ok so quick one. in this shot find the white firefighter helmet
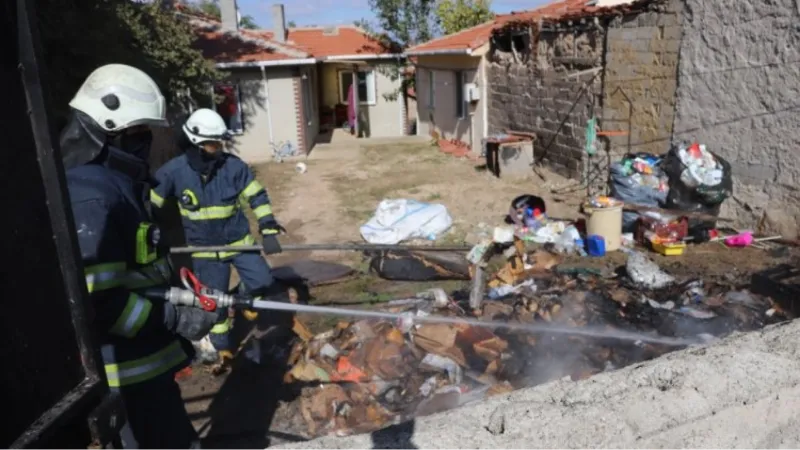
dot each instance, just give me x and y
(117, 97)
(205, 125)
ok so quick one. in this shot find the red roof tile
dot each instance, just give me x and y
(334, 41)
(300, 43)
(225, 48)
(472, 38)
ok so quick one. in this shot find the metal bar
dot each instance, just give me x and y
(322, 247)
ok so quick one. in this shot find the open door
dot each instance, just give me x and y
(52, 386)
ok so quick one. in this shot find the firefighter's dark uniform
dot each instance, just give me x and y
(140, 353)
(211, 207)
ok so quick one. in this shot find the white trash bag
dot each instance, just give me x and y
(402, 219)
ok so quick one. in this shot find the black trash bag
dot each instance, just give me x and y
(699, 198)
(624, 187)
(419, 265)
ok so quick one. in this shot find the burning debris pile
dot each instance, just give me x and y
(365, 375)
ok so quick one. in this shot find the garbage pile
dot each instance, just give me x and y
(688, 178)
(364, 375)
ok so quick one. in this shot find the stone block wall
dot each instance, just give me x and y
(640, 79)
(738, 91)
(547, 91)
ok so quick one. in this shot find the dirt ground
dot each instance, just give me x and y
(250, 407)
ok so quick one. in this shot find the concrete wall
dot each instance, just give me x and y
(253, 145)
(384, 118)
(738, 91)
(640, 79)
(442, 118)
(545, 89)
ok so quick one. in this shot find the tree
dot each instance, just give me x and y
(292, 24)
(248, 22)
(405, 22)
(400, 24)
(80, 35)
(211, 8)
(456, 15)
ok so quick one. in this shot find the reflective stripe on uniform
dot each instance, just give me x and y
(156, 199)
(210, 212)
(262, 211)
(143, 369)
(252, 189)
(155, 274)
(133, 316)
(247, 240)
(222, 327)
(104, 276)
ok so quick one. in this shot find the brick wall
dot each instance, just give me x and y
(549, 93)
(641, 78)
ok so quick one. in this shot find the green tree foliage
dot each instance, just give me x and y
(292, 24)
(405, 22)
(80, 35)
(456, 15)
(400, 24)
(211, 8)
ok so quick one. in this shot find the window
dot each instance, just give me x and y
(230, 108)
(366, 86)
(431, 83)
(460, 104)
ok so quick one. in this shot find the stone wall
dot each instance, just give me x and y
(641, 78)
(738, 91)
(545, 89)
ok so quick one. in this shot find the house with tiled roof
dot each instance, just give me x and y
(577, 77)
(452, 78)
(290, 86)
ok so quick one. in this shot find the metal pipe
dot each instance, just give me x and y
(321, 247)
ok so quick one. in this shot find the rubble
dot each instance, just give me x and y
(366, 375)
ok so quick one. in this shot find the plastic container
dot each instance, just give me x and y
(670, 248)
(605, 222)
(596, 245)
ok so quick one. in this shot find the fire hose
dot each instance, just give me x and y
(196, 294)
(322, 247)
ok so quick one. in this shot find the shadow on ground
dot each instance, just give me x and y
(242, 411)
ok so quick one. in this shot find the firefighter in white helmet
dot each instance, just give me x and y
(144, 342)
(211, 185)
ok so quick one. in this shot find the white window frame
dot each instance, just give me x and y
(431, 93)
(460, 83)
(371, 99)
(240, 113)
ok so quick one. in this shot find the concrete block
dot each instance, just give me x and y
(515, 159)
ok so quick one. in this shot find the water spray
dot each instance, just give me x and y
(198, 295)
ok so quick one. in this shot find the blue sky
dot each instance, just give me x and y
(331, 12)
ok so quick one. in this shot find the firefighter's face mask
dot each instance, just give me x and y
(212, 148)
(136, 141)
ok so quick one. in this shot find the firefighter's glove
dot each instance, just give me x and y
(270, 242)
(193, 323)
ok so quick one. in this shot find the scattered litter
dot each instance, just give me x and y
(301, 168)
(645, 272)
